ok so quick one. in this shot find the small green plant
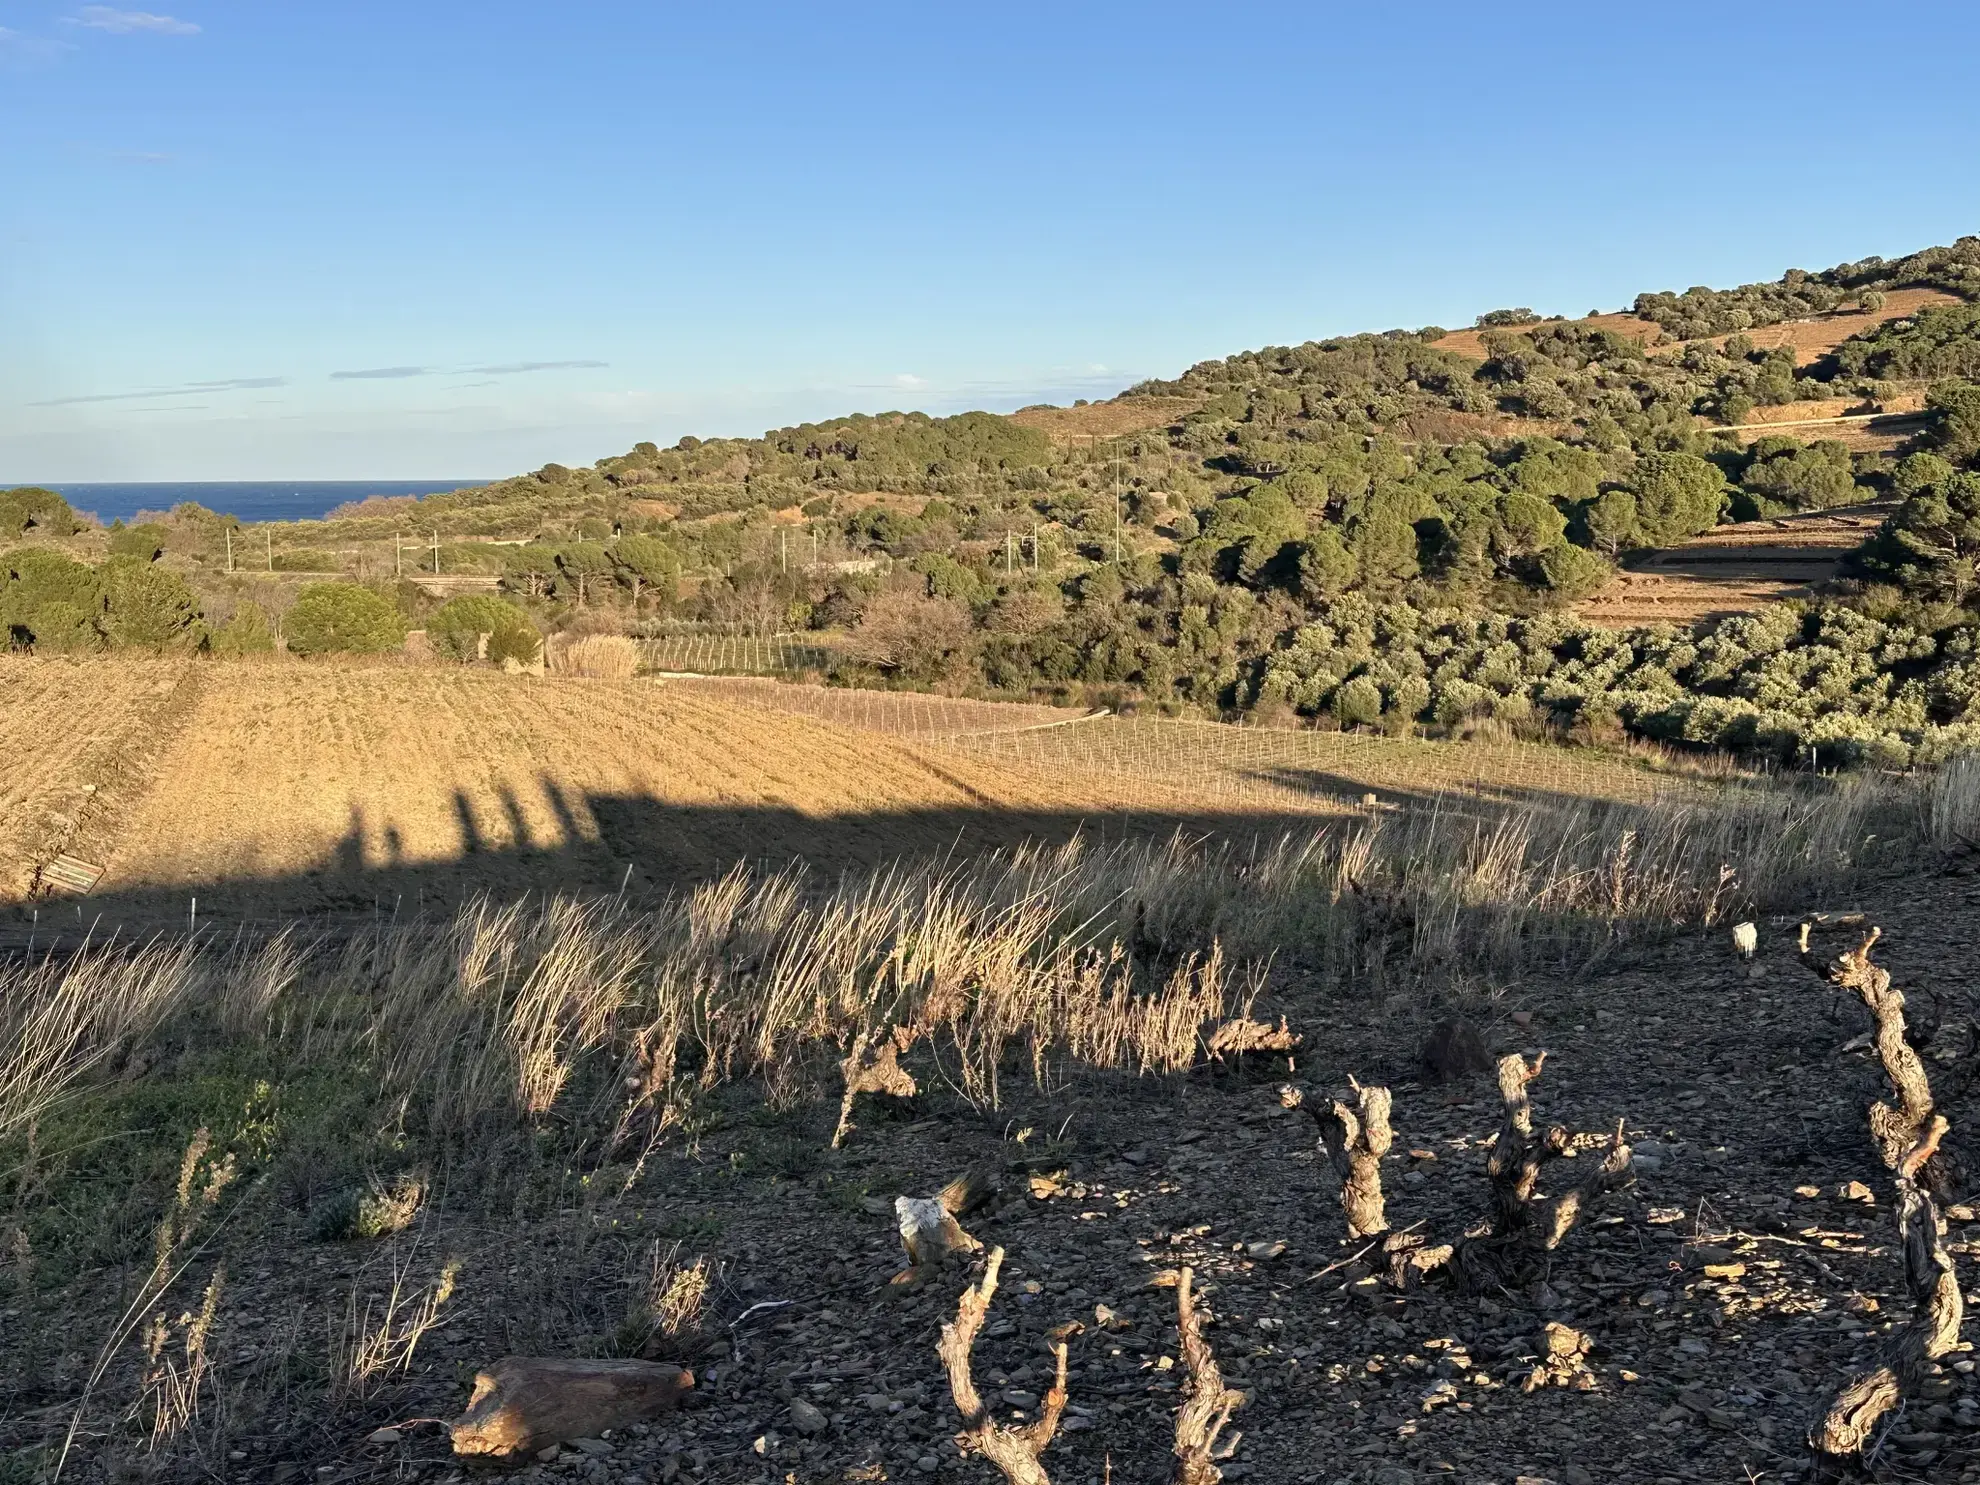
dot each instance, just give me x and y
(843, 1195)
(371, 1211)
(663, 1321)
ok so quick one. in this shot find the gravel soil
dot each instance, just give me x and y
(1751, 1265)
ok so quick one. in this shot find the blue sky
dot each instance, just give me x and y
(258, 239)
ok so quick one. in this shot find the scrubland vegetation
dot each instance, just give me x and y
(893, 1060)
(1194, 560)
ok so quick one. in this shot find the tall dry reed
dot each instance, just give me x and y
(1127, 956)
(61, 1018)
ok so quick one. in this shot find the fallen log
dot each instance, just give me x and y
(524, 1403)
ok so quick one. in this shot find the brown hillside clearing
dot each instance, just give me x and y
(1471, 342)
(1814, 338)
(1113, 419)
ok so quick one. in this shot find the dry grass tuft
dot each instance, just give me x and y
(61, 1019)
(379, 1337)
(599, 657)
(664, 1319)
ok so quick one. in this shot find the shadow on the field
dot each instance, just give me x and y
(644, 847)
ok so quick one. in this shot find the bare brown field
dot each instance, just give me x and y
(71, 735)
(290, 771)
(1289, 771)
(1066, 425)
(1159, 764)
(1905, 404)
(305, 787)
(907, 714)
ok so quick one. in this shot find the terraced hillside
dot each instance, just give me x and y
(1737, 568)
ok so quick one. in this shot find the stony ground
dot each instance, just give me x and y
(1752, 1264)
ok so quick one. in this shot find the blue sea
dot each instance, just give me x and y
(250, 500)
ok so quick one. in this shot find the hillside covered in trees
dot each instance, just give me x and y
(1380, 529)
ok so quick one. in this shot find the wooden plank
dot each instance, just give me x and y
(67, 874)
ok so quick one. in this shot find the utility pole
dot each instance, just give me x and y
(1034, 546)
(230, 548)
(398, 561)
(268, 547)
(436, 553)
(1117, 507)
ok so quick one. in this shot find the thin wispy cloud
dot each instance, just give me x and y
(517, 368)
(507, 368)
(232, 384)
(182, 407)
(132, 22)
(21, 49)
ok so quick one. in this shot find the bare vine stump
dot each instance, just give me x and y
(872, 1065)
(1908, 1136)
(1894, 1129)
(1206, 1409)
(1207, 1403)
(1524, 1228)
(1014, 1451)
(1849, 1420)
(1355, 1140)
(522, 1404)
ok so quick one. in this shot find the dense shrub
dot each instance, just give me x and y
(1777, 682)
(145, 541)
(148, 606)
(1931, 545)
(342, 617)
(458, 629)
(30, 507)
(246, 632)
(49, 603)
